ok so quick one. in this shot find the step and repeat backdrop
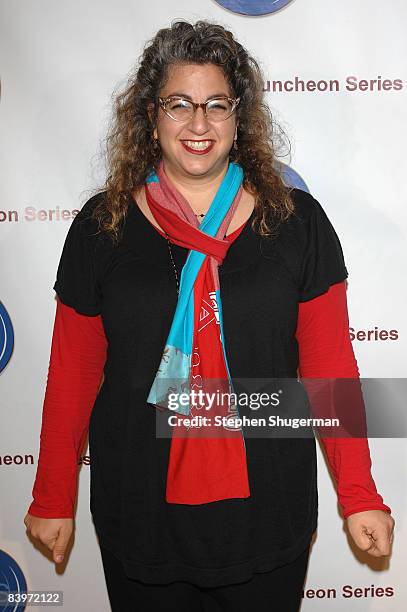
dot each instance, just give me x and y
(335, 80)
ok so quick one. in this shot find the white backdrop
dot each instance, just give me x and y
(60, 62)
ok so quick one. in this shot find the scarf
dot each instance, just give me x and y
(206, 463)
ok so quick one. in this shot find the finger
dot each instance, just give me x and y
(60, 546)
(383, 543)
(364, 541)
(374, 552)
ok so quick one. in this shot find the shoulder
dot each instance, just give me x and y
(85, 220)
(308, 219)
(86, 228)
(83, 261)
(305, 206)
(294, 231)
(85, 242)
(310, 247)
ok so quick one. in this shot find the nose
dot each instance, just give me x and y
(199, 123)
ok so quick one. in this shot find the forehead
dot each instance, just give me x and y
(195, 80)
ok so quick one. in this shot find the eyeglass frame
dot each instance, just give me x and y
(196, 105)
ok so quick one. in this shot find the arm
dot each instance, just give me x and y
(325, 351)
(78, 355)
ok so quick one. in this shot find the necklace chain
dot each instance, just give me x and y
(173, 262)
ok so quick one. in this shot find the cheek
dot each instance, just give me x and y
(166, 137)
(227, 134)
(168, 132)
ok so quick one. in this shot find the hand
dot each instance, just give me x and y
(372, 531)
(53, 532)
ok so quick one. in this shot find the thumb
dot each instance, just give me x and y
(60, 545)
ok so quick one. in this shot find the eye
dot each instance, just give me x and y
(173, 104)
(223, 104)
(219, 109)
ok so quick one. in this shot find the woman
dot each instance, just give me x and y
(258, 291)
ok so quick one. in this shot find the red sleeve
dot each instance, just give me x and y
(325, 351)
(78, 355)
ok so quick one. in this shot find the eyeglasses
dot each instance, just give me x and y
(181, 109)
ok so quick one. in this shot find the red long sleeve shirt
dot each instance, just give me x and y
(325, 351)
(78, 355)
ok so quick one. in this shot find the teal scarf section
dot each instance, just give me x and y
(173, 374)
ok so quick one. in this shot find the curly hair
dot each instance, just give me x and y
(130, 151)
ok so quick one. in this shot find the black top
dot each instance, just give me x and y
(133, 287)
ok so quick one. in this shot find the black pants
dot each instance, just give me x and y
(277, 591)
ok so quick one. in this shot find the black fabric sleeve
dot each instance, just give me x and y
(78, 275)
(322, 261)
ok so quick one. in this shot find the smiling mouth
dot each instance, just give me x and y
(198, 145)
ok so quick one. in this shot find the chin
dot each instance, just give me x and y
(197, 171)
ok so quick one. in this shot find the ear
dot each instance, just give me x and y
(150, 108)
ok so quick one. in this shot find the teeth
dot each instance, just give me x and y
(199, 146)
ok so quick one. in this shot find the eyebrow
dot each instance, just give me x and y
(184, 95)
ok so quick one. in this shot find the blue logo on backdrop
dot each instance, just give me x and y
(290, 177)
(253, 7)
(6, 337)
(12, 580)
